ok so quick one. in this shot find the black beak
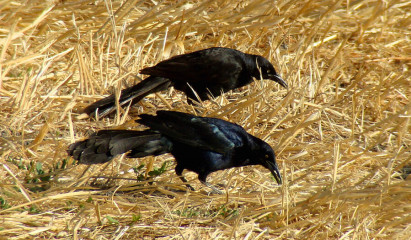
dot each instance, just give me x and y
(274, 170)
(278, 79)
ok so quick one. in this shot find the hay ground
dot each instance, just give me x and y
(341, 132)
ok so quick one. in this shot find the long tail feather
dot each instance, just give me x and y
(132, 94)
(104, 145)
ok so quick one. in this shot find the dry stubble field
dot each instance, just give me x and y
(341, 131)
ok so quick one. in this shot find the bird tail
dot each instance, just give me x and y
(102, 146)
(132, 94)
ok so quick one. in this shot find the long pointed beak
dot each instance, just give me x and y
(279, 80)
(275, 171)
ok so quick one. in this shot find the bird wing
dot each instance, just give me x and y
(203, 65)
(190, 130)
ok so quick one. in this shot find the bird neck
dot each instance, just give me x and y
(249, 61)
(253, 66)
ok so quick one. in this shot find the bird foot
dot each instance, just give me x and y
(190, 187)
(216, 191)
(213, 188)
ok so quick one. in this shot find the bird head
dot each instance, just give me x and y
(268, 71)
(265, 156)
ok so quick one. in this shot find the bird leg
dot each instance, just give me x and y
(187, 185)
(179, 172)
(203, 180)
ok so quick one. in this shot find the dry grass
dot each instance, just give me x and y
(341, 132)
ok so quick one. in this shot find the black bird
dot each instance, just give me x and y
(208, 72)
(199, 144)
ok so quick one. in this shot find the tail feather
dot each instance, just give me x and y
(104, 145)
(132, 94)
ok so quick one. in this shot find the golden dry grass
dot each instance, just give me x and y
(341, 132)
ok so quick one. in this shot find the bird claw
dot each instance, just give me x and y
(214, 190)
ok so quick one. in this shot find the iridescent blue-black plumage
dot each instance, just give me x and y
(199, 144)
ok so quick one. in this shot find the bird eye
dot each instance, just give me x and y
(266, 156)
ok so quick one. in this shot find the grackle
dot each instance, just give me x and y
(199, 144)
(200, 74)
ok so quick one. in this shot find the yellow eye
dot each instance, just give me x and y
(266, 156)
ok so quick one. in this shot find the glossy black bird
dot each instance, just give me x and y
(208, 72)
(199, 144)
